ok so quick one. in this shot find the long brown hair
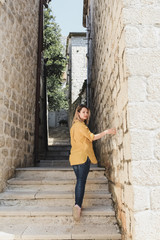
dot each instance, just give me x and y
(76, 115)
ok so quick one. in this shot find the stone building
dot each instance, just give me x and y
(20, 39)
(124, 69)
(76, 51)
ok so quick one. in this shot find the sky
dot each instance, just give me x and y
(68, 15)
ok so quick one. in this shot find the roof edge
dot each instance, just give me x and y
(74, 34)
(85, 8)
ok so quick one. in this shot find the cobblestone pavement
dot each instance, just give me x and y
(59, 136)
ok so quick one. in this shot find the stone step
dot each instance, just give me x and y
(52, 164)
(52, 142)
(59, 172)
(24, 194)
(39, 230)
(53, 181)
(55, 184)
(58, 214)
(54, 161)
(60, 220)
(57, 157)
(88, 202)
(58, 153)
(66, 187)
(52, 198)
(93, 167)
(34, 211)
(59, 147)
(55, 188)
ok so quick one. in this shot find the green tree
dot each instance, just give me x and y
(54, 62)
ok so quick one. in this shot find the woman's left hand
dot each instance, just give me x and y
(112, 131)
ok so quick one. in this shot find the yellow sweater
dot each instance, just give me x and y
(81, 144)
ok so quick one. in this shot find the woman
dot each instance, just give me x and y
(82, 153)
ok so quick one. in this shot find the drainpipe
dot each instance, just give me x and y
(37, 110)
(88, 62)
(88, 105)
(39, 57)
(45, 105)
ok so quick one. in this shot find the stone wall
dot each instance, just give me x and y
(110, 104)
(18, 59)
(124, 65)
(142, 39)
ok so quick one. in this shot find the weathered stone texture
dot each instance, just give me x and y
(110, 103)
(143, 63)
(149, 227)
(18, 59)
(124, 68)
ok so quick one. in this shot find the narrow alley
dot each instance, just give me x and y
(112, 66)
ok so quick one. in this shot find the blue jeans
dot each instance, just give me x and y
(81, 172)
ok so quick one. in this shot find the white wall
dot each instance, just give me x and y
(55, 117)
(77, 64)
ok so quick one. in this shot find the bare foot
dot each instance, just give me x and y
(76, 212)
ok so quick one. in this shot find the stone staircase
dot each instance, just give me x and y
(58, 152)
(37, 205)
(55, 156)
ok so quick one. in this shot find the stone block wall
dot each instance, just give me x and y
(125, 85)
(110, 105)
(18, 60)
(142, 39)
